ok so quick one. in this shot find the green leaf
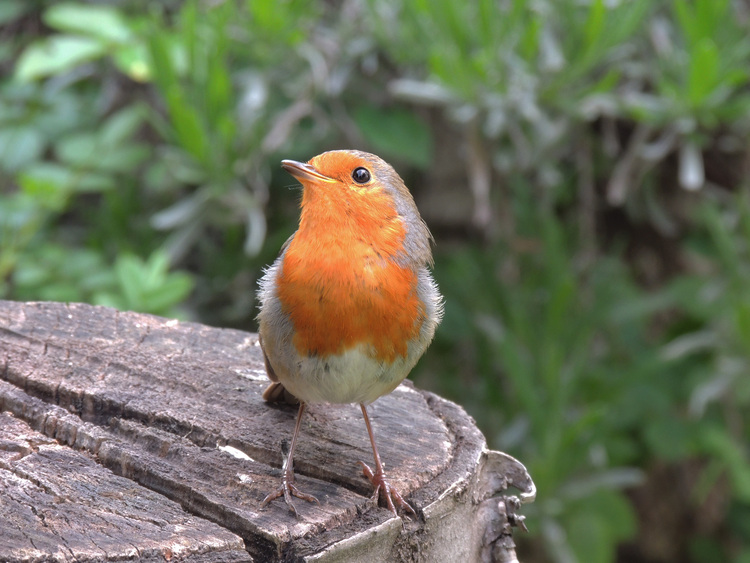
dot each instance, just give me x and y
(396, 133)
(528, 44)
(155, 269)
(685, 17)
(725, 247)
(109, 299)
(107, 150)
(719, 444)
(19, 212)
(133, 61)
(170, 293)
(48, 183)
(220, 96)
(57, 54)
(149, 286)
(129, 271)
(103, 22)
(597, 525)
(594, 24)
(608, 82)
(93, 182)
(164, 68)
(78, 149)
(589, 537)
(19, 146)
(187, 124)
(124, 159)
(703, 74)
(669, 438)
(279, 19)
(122, 125)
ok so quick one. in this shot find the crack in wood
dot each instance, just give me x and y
(152, 399)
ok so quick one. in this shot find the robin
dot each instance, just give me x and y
(349, 306)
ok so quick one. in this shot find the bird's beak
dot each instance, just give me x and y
(303, 172)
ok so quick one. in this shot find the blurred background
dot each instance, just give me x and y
(583, 166)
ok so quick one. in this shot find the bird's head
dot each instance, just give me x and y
(357, 192)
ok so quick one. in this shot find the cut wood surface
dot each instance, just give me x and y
(129, 435)
(59, 504)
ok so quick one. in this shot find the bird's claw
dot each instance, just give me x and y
(287, 490)
(390, 493)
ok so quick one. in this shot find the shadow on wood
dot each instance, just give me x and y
(129, 435)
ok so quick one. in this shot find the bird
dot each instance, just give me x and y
(350, 304)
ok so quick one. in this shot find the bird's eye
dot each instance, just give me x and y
(361, 175)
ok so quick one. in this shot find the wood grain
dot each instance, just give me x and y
(59, 504)
(143, 408)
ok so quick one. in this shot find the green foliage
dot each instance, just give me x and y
(396, 133)
(719, 306)
(706, 80)
(603, 520)
(146, 286)
(551, 340)
(89, 33)
(54, 273)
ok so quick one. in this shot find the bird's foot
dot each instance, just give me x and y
(384, 488)
(287, 490)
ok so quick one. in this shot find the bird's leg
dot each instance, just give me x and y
(378, 477)
(288, 488)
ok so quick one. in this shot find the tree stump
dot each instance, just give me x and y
(129, 436)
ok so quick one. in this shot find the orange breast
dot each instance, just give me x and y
(339, 286)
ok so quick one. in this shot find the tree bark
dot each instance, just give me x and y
(129, 435)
